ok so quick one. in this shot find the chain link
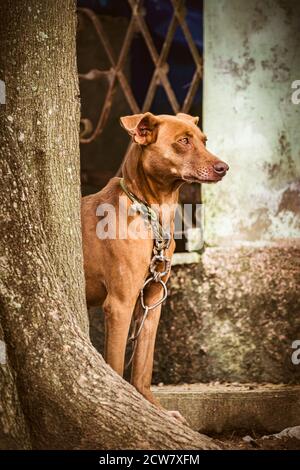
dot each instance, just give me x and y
(160, 265)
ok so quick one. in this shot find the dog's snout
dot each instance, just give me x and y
(220, 168)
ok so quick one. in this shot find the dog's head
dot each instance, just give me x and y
(175, 147)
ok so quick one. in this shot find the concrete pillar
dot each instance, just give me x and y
(252, 57)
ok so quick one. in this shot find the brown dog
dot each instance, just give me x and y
(166, 152)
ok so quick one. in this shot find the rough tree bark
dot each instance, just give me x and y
(56, 391)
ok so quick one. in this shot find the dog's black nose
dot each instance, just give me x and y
(220, 168)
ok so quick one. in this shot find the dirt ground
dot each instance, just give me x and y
(257, 442)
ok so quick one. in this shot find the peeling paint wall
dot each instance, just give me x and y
(252, 56)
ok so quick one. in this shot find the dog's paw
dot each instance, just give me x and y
(177, 415)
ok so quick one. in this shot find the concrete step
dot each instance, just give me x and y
(222, 408)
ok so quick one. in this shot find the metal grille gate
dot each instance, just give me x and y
(115, 73)
(114, 76)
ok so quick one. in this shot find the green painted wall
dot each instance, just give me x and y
(252, 56)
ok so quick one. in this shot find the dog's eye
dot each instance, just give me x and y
(184, 140)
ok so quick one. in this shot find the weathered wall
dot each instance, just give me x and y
(252, 56)
(232, 318)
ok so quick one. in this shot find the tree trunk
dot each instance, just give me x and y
(14, 433)
(64, 395)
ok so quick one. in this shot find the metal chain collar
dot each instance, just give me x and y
(159, 266)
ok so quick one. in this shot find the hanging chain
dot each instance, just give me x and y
(159, 265)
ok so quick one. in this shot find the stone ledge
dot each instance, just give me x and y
(186, 258)
(223, 408)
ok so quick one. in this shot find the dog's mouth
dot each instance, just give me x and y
(198, 179)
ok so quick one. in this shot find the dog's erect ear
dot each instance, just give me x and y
(142, 127)
(187, 117)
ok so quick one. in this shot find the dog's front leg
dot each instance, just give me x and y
(117, 322)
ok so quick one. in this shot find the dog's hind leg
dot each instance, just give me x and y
(142, 364)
